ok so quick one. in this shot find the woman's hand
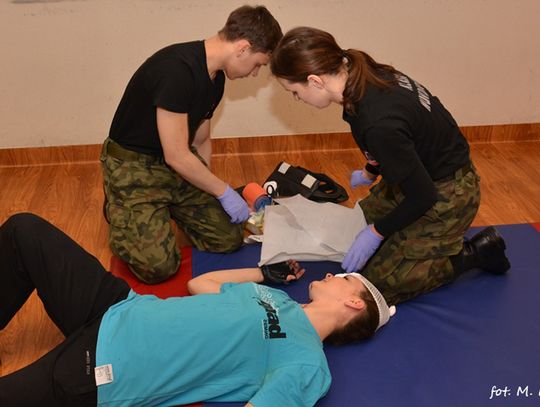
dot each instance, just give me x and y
(282, 273)
(363, 247)
(362, 177)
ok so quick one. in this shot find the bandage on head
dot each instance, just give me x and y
(385, 312)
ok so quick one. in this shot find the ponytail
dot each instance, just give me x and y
(363, 69)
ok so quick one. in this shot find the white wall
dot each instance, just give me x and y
(64, 64)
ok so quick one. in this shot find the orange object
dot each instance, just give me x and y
(252, 192)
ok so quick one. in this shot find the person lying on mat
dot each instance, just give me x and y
(235, 341)
(429, 190)
(156, 160)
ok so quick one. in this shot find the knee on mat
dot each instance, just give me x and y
(226, 243)
(156, 272)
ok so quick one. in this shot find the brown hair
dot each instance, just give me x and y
(305, 51)
(360, 327)
(254, 24)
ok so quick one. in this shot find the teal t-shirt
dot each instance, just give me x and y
(248, 343)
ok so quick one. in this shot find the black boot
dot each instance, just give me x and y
(485, 250)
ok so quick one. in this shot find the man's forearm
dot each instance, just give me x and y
(174, 136)
(189, 167)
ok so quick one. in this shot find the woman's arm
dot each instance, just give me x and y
(420, 195)
(209, 283)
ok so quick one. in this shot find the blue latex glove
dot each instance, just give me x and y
(361, 250)
(358, 177)
(234, 205)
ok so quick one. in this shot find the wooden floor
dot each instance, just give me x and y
(70, 196)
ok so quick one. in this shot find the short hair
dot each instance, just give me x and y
(254, 24)
(362, 326)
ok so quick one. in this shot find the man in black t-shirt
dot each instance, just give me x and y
(156, 160)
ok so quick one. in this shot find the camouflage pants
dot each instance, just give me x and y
(143, 194)
(415, 260)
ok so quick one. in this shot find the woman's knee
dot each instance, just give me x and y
(25, 220)
(23, 225)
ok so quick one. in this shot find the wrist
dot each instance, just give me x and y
(258, 276)
(222, 190)
(368, 175)
(375, 232)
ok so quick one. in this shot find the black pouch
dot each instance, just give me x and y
(289, 180)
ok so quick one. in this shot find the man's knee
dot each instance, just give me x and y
(147, 246)
(151, 265)
(233, 241)
(220, 241)
(154, 270)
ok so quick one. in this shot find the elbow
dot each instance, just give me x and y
(177, 158)
(192, 286)
(171, 160)
(178, 164)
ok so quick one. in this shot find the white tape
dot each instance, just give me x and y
(284, 167)
(309, 180)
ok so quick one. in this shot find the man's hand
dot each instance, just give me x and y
(363, 247)
(234, 205)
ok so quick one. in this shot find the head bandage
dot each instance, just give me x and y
(385, 312)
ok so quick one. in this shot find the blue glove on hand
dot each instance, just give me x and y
(361, 250)
(234, 205)
(358, 177)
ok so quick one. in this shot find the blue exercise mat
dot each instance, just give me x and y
(475, 342)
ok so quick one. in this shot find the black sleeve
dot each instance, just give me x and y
(420, 195)
(390, 145)
(171, 89)
(372, 169)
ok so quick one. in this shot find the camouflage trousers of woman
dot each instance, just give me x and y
(415, 260)
(143, 195)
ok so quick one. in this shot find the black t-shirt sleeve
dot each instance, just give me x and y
(172, 91)
(390, 145)
(420, 195)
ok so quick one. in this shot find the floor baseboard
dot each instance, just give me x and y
(14, 157)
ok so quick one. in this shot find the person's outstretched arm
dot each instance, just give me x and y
(211, 282)
(275, 273)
